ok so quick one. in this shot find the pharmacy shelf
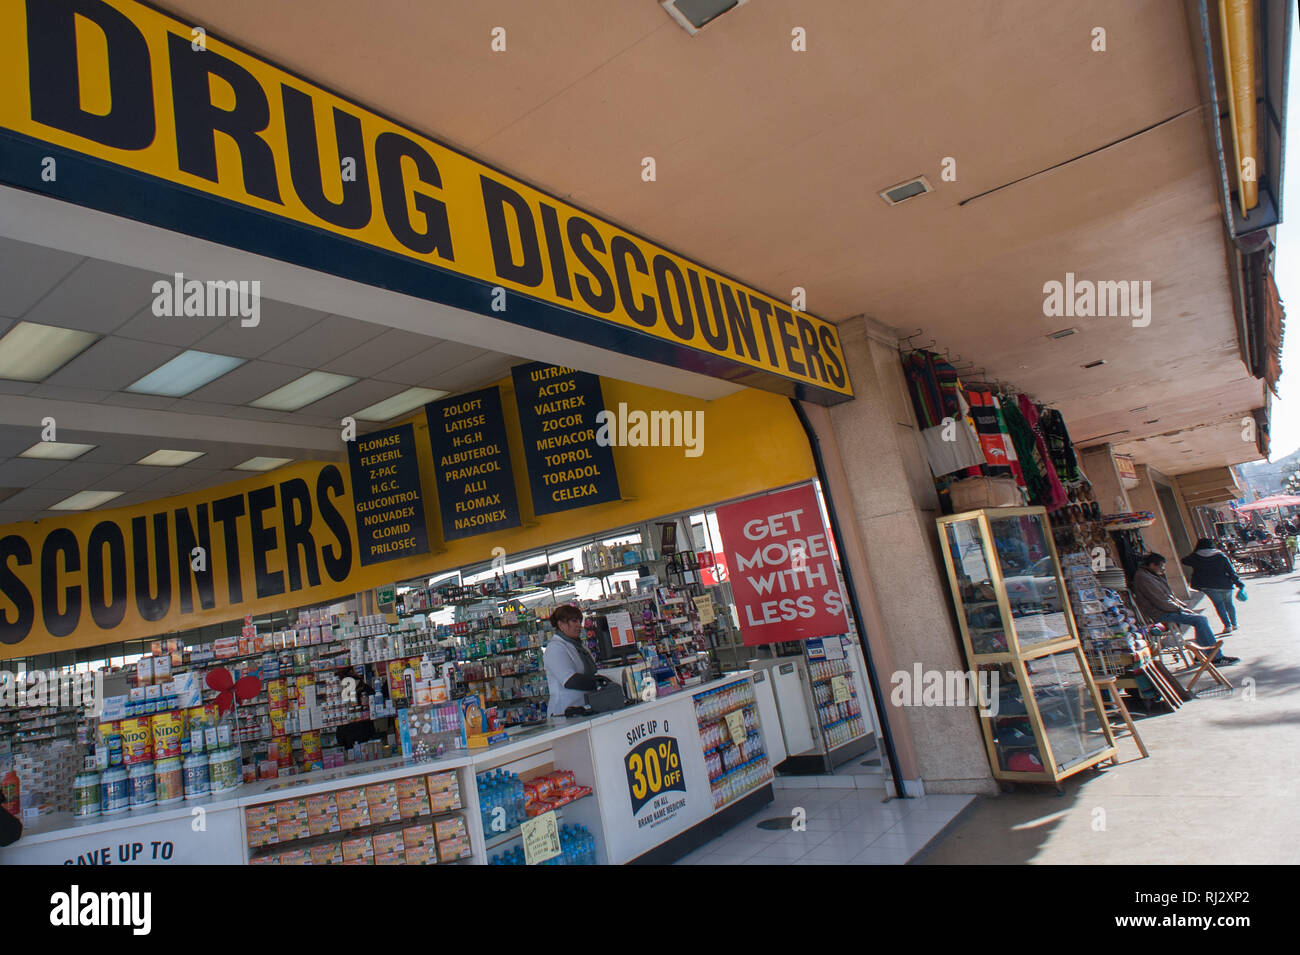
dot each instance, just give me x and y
(513, 834)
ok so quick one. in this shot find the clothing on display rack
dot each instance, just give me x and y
(1059, 446)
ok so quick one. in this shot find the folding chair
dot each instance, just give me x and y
(1207, 655)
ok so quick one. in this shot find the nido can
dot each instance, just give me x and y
(167, 731)
(170, 780)
(137, 741)
(114, 791)
(223, 770)
(85, 795)
(196, 776)
(143, 791)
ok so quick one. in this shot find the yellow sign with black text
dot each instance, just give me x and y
(286, 539)
(140, 92)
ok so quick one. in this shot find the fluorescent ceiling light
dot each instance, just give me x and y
(170, 459)
(56, 450)
(301, 392)
(400, 404)
(85, 500)
(186, 372)
(906, 190)
(262, 464)
(32, 352)
(693, 14)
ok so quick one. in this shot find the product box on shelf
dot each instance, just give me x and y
(358, 851)
(389, 848)
(412, 798)
(322, 814)
(453, 839)
(262, 825)
(295, 857)
(353, 812)
(381, 800)
(444, 792)
(291, 819)
(329, 854)
(420, 844)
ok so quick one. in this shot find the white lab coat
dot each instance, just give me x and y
(562, 660)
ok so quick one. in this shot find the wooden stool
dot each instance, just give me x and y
(1207, 655)
(1106, 684)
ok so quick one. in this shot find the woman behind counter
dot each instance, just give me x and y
(570, 667)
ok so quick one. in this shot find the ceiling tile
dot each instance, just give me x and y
(277, 323)
(28, 272)
(420, 368)
(367, 360)
(79, 475)
(332, 338)
(112, 364)
(128, 478)
(246, 383)
(129, 399)
(474, 374)
(177, 481)
(37, 498)
(144, 326)
(25, 472)
(258, 414)
(97, 296)
(58, 393)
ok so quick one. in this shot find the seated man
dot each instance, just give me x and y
(1159, 605)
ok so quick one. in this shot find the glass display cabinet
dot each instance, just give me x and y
(1042, 720)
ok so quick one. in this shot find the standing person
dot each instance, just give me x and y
(570, 667)
(1214, 576)
(1157, 602)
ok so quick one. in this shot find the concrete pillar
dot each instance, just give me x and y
(1157, 537)
(884, 489)
(1098, 464)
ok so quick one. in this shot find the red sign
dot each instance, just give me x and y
(782, 574)
(713, 567)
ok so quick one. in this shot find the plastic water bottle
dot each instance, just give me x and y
(521, 801)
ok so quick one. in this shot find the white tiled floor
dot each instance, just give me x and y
(844, 827)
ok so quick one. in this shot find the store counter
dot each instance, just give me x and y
(665, 771)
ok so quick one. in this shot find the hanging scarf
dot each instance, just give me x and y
(1059, 445)
(1054, 496)
(984, 412)
(1008, 445)
(923, 389)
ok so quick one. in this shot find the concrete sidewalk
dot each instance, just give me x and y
(1220, 786)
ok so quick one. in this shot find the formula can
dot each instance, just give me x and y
(311, 751)
(114, 791)
(143, 790)
(197, 783)
(169, 780)
(85, 795)
(137, 741)
(224, 770)
(167, 731)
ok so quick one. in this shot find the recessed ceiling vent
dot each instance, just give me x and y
(691, 15)
(906, 190)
